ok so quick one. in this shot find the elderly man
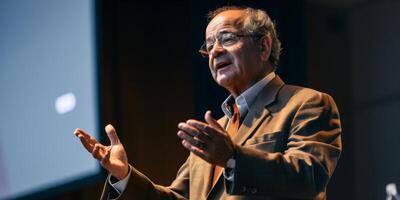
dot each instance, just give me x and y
(276, 141)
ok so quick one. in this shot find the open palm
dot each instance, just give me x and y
(113, 157)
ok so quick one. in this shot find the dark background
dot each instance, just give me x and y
(152, 78)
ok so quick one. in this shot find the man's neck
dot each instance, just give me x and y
(246, 99)
(237, 90)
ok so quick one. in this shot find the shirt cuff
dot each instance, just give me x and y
(119, 185)
(229, 170)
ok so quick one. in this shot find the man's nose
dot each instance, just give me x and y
(217, 49)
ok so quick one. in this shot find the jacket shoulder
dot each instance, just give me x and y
(292, 96)
(302, 93)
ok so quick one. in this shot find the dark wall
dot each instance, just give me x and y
(329, 55)
(146, 54)
(353, 53)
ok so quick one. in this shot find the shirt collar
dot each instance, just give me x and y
(246, 99)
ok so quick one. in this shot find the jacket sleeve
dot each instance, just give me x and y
(303, 169)
(141, 187)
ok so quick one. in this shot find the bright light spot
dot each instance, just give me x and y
(65, 103)
(391, 189)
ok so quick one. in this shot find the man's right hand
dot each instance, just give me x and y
(113, 157)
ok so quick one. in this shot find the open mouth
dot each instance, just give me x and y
(222, 65)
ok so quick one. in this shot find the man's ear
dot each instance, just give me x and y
(265, 47)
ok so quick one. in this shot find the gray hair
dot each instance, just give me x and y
(255, 22)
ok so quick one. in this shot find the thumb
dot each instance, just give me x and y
(212, 122)
(112, 134)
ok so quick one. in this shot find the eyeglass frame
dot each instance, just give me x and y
(203, 48)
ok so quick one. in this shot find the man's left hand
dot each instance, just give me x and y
(207, 140)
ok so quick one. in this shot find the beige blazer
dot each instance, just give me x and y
(289, 144)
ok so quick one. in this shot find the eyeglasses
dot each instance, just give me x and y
(225, 39)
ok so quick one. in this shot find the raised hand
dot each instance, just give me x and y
(207, 140)
(113, 157)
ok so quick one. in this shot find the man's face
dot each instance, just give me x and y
(235, 67)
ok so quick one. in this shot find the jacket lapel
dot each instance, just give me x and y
(255, 116)
(258, 111)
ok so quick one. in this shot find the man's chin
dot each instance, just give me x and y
(224, 81)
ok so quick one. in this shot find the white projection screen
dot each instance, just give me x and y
(48, 87)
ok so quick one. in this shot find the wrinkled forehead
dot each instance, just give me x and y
(226, 20)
